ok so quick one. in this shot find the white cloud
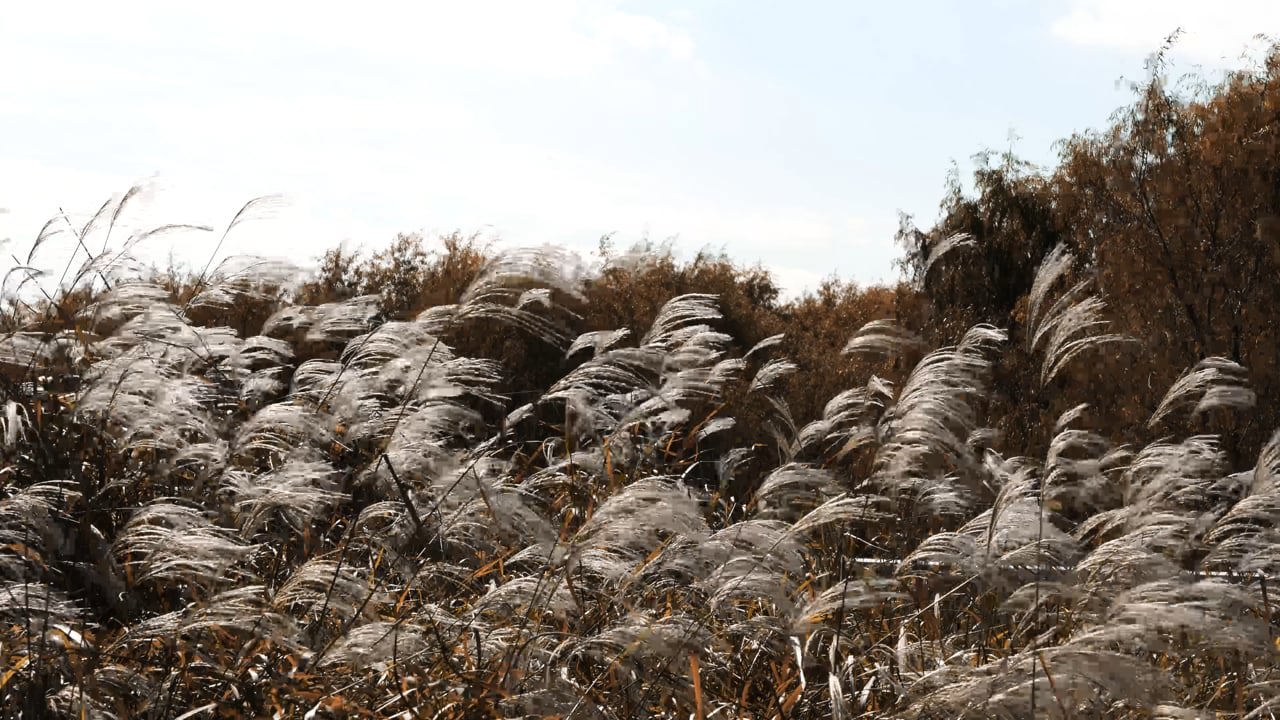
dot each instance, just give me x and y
(793, 282)
(229, 101)
(549, 38)
(1214, 33)
(644, 33)
(218, 104)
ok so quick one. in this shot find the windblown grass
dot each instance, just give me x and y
(344, 515)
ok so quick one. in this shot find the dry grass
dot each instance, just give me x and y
(338, 509)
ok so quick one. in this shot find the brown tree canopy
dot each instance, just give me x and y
(1172, 211)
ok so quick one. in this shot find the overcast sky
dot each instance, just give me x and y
(786, 133)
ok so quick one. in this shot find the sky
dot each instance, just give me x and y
(789, 134)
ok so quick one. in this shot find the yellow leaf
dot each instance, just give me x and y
(21, 663)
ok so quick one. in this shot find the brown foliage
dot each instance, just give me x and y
(1171, 211)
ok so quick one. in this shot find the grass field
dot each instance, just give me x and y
(327, 513)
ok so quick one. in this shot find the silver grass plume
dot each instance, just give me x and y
(925, 432)
(882, 337)
(1068, 327)
(239, 279)
(167, 543)
(1214, 383)
(516, 288)
(942, 247)
(296, 494)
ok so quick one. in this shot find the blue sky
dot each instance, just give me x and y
(785, 133)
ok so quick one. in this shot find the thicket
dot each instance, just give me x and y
(449, 481)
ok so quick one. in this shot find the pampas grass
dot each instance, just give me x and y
(335, 514)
